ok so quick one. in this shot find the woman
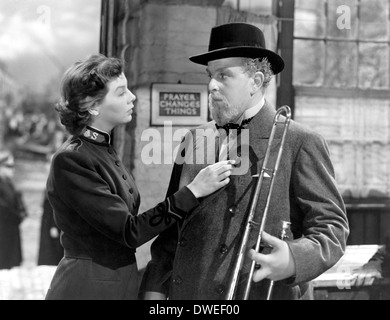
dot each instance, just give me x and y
(95, 200)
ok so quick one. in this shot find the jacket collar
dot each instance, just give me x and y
(97, 136)
(261, 125)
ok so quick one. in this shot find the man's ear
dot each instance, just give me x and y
(258, 80)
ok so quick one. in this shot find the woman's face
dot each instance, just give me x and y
(117, 106)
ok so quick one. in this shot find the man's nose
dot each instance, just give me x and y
(213, 85)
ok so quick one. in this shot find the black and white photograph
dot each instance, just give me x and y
(171, 151)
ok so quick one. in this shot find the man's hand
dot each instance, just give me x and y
(277, 265)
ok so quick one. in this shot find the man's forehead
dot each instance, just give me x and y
(224, 63)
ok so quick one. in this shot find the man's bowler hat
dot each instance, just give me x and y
(238, 40)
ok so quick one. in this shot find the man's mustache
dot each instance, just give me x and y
(216, 97)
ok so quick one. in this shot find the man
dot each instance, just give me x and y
(195, 260)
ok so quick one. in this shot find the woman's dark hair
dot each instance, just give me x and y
(83, 85)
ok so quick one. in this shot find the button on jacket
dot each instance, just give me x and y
(95, 203)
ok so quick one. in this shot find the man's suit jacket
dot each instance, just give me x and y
(195, 261)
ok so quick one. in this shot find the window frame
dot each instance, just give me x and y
(381, 93)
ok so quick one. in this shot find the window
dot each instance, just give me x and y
(342, 43)
(341, 78)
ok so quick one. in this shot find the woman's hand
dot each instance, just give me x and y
(211, 178)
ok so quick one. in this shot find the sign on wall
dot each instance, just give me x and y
(182, 104)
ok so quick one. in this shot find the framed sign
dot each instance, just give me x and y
(181, 104)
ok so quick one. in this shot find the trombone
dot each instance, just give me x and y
(266, 173)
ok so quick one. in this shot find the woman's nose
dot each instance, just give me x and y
(132, 97)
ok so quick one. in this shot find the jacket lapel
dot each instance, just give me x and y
(201, 150)
(259, 131)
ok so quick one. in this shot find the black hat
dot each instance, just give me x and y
(238, 40)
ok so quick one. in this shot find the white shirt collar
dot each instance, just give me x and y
(251, 112)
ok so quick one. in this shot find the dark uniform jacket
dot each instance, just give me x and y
(95, 203)
(196, 261)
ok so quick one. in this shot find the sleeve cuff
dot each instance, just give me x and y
(181, 203)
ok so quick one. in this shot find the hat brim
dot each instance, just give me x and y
(276, 61)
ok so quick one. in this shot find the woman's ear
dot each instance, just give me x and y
(93, 112)
(92, 106)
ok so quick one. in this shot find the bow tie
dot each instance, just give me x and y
(234, 126)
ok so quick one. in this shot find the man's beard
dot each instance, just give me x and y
(221, 110)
